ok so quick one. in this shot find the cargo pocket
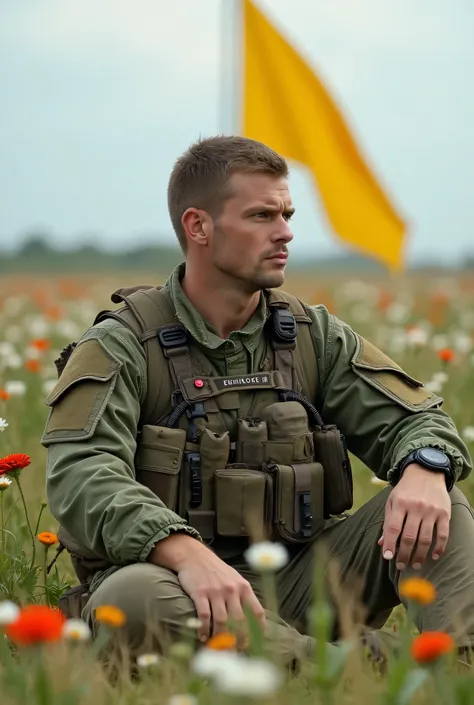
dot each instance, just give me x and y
(158, 461)
(330, 450)
(298, 496)
(243, 502)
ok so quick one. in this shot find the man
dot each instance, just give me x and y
(154, 512)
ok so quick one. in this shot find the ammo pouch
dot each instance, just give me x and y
(330, 450)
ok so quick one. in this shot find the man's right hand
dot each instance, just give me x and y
(218, 591)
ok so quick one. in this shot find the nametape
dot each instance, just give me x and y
(244, 381)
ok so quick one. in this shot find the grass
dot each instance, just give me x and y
(389, 312)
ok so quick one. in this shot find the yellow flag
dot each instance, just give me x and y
(286, 106)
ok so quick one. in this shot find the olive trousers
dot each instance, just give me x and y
(157, 608)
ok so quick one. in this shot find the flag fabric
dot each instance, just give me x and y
(286, 106)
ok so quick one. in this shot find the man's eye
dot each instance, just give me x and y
(262, 214)
(287, 216)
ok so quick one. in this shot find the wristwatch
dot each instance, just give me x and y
(431, 459)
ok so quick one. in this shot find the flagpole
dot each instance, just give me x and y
(230, 66)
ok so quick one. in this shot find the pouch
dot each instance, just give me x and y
(330, 450)
(243, 502)
(251, 441)
(158, 461)
(290, 440)
(298, 501)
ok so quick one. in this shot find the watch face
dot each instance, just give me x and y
(434, 456)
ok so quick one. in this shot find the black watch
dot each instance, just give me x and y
(431, 459)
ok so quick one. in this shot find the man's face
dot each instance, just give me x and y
(250, 237)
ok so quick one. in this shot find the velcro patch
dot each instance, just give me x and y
(81, 394)
(382, 373)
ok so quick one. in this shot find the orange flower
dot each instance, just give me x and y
(4, 395)
(47, 538)
(14, 462)
(429, 646)
(40, 344)
(36, 624)
(446, 355)
(32, 366)
(110, 615)
(418, 590)
(222, 642)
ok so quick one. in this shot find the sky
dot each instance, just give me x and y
(99, 97)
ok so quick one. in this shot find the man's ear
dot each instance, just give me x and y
(197, 225)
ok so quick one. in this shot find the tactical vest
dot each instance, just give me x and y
(278, 472)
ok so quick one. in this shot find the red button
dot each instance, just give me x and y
(198, 383)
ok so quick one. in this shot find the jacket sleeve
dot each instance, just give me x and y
(91, 437)
(383, 412)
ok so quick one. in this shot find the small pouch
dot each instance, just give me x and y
(290, 440)
(158, 461)
(243, 502)
(214, 449)
(251, 440)
(298, 496)
(330, 450)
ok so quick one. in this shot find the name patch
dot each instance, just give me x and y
(244, 381)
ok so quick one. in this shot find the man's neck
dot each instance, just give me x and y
(224, 307)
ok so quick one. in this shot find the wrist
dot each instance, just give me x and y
(172, 551)
(431, 460)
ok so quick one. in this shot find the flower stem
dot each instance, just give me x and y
(40, 514)
(2, 528)
(45, 573)
(33, 555)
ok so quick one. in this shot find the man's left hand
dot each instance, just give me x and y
(418, 504)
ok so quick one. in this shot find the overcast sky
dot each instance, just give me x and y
(100, 96)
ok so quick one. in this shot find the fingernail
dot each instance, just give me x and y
(388, 555)
(435, 556)
(400, 566)
(416, 566)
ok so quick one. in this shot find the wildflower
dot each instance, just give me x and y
(440, 377)
(36, 624)
(48, 386)
(266, 556)
(251, 677)
(41, 344)
(430, 646)
(47, 538)
(193, 623)
(4, 395)
(5, 482)
(14, 462)
(76, 630)
(417, 337)
(434, 386)
(468, 434)
(446, 355)
(32, 365)
(110, 615)
(3, 424)
(183, 700)
(15, 387)
(207, 663)
(148, 660)
(224, 641)
(9, 612)
(418, 590)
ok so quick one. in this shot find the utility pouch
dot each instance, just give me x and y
(330, 450)
(290, 440)
(243, 502)
(251, 441)
(158, 461)
(298, 501)
(214, 449)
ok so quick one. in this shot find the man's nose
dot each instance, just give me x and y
(284, 232)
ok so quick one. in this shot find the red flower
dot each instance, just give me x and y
(40, 344)
(446, 355)
(32, 365)
(429, 646)
(15, 461)
(4, 395)
(36, 624)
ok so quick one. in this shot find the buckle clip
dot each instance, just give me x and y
(306, 518)
(172, 336)
(194, 463)
(285, 328)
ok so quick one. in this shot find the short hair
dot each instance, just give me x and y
(199, 178)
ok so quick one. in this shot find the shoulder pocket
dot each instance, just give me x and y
(80, 396)
(382, 373)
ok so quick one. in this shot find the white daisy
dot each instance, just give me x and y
(266, 556)
(9, 612)
(148, 660)
(3, 424)
(5, 483)
(468, 434)
(76, 630)
(15, 387)
(251, 677)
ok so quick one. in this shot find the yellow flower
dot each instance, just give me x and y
(110, 615)
(418, 590)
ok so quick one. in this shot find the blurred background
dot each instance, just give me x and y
(100, 97)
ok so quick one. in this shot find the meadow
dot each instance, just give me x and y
(424, 321)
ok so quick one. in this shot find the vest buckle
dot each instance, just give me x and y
(172, 336)
(194, 464)
(285, 328)
(306, 518)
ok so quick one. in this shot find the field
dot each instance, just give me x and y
(425, 322)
